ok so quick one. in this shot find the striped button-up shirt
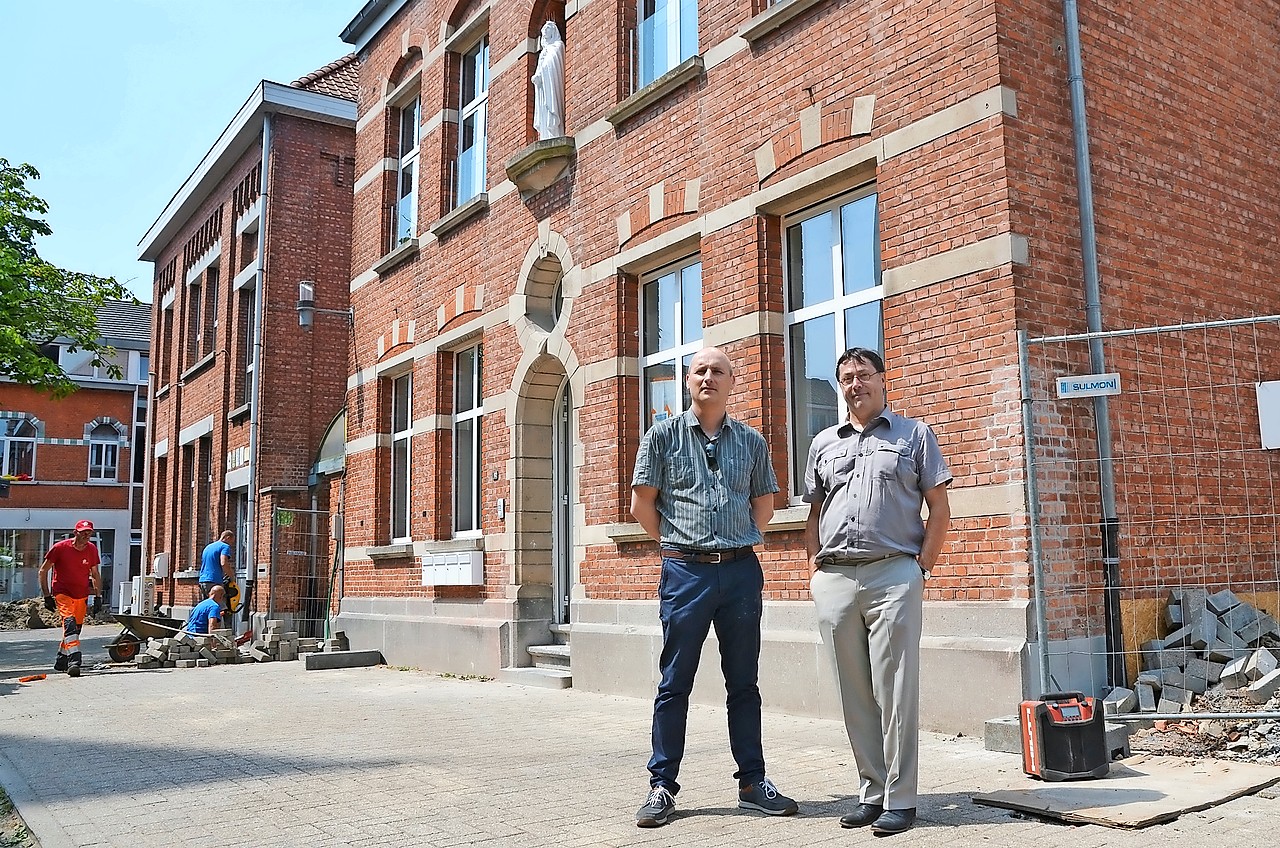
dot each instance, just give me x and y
(702, 509)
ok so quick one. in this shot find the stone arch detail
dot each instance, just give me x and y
(121, 430)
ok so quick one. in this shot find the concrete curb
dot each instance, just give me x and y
(46, 830)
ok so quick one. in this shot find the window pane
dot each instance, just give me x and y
(78, 363)
(400, 488)
(654, 41)
(400, 402)
(811, 275)
(660, 314)
(814, 400)
(407, 205)
(860, 244)
(661, 387)
(104, 431)
(863, 327)
(409, 121)
(471, 157)
(465, 449)
(688, 29)
(691, 303)
(464, 381)
(685, 400)
(22, 458)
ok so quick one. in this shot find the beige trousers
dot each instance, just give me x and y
(869, 617)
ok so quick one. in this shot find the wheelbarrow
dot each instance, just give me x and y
(138, 628)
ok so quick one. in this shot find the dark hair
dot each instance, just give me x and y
(861, 354)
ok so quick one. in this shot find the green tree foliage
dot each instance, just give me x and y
(40, 302)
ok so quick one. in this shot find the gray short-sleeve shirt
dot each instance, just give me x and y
(703, 509)
(871, 485)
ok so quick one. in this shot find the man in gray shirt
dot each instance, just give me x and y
(870, 552)
(703, 487)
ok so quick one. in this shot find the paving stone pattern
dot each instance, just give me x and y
(273, 755)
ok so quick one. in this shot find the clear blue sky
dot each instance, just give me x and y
(116, 101)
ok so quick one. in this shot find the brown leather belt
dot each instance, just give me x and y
(714, 557)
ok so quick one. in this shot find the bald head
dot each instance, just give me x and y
(709, 381)
(218, 593)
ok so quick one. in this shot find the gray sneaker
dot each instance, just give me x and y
(765, 797)
(656, 808)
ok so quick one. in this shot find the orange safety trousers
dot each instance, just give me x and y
(72, 611)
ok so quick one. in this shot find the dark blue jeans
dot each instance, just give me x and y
(692, 597)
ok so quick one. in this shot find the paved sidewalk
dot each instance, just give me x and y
(272, 755)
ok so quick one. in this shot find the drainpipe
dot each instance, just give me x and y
(259, 320)
(1109, 526)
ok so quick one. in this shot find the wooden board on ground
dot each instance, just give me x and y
(1139, 791)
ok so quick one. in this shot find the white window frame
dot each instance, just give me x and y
(837, 307)
(407, 159)
(475, 449)
(401, 438)
(679, 21)
(684, 344)
(251, 307)
(100, 448)
(475, 109)
(7, 442)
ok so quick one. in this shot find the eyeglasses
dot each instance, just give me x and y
(710, 450)
(863, 377)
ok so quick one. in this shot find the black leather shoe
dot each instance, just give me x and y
(862, 815)
(894, 821)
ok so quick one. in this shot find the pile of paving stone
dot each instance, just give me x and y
(189, 650)
(1216, 642)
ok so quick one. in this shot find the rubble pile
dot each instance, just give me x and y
(1221, 655)
(30, 614)
(188, 650)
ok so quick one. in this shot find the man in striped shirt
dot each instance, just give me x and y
(703, 487)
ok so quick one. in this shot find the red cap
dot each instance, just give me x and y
(84, 524)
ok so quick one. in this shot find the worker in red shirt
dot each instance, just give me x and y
(74, 566)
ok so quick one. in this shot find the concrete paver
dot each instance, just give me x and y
(274, 755)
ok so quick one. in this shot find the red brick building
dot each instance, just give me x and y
(783, 180)
(77, 457)
(242, 395)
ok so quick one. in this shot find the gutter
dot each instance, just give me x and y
(259, 302)
(1109, 524)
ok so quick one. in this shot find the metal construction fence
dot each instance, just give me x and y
(301, 574)
(1154, 506)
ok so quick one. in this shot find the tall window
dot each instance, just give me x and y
(833, 303)
(667, 35)
(104, 453)
(210, 331)
(405, 225)
(195, 321)
(17, 447)
(471, 121)
(401, 442)
(248, 309)
(672, 334)
(165, 344)
(468, 411)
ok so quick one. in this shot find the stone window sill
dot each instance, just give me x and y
(460, 215)
(384, 553)
(784, 520)
(774, 18)
(199, 365)
(689, 69)
(238, 413)
(406, 249)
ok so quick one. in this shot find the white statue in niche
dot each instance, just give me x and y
(548, 85)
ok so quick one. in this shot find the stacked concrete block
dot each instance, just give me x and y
(275, 644)
(187, 650)
(1214, 639)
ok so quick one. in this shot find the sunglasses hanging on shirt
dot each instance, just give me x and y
(710, 449)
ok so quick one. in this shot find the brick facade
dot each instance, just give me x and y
(221, 234)
(955, 115)
(84, 464)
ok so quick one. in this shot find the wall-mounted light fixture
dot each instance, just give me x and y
(307, 306)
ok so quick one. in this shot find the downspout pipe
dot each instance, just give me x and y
(1109, 524)
(259, 320)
